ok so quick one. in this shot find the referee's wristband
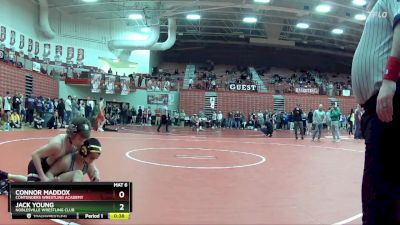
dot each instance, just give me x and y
(392, 69)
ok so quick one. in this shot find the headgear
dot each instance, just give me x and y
(91, 145)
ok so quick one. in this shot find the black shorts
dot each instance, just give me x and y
(33, 175)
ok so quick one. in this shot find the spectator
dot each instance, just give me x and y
(15, 119)
(38, 122)
(298, 123)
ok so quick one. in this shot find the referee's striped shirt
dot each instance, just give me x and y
(370, 58)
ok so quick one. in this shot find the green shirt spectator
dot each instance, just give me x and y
(335, 114)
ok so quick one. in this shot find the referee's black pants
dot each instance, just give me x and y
(164, 120)
(381, 179)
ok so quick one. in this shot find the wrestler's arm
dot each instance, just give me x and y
(59, 167)
(50, 149)
(93, 173)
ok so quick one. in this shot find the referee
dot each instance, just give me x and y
(375, 71)
(164, 119)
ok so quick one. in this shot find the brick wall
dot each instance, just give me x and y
(192, 101)
(244, 102)
(13, 79)
(347, 103)
(312, 102)
(307, 102)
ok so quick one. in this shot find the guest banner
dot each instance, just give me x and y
(157, 99)
(109, 83)
(125, 85)
(21, 41)
(95, 82)
(242, 87)
(12, 38)
(3, 33)
(30, 45)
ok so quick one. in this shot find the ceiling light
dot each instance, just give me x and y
(262, 1)
(193, 16)
(323, 8)
(89, 0)
(250, 20)
(302, 25)
(132, 65)
(360, 17)
(359, 2)
(116, 60)
(135, 16)
(145, 29)
(337, 31)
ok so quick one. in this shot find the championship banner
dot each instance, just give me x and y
(125, 81)
(46, 51)
(21, 41)
(70, 52)
(109, 83)
(81, 54)
(3, 33)
(12, 38)
(59, 50)
(36, 47)
(314, 91)
(30, 45)
(157, 99)
(95, 81)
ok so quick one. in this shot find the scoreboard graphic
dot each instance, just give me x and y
(83, 200)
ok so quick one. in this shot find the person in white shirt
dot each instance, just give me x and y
(7, 106)
(318, 121)
(190, 83)
(68, 110)
(219, 119)
(213, 119)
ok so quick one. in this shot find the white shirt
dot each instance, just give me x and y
(7, 103)
(373, 50)
(91, 103)
(68, 105)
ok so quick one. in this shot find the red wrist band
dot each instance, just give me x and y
(392, 69)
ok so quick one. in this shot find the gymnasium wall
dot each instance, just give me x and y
(193, 101)
(137, 97)
(12, 79)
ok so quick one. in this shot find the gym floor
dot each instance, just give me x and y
(216, 176)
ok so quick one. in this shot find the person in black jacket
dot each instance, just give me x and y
(164, 119)
(60, 111)
(298, 123)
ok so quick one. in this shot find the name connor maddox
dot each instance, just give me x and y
(42, 192)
